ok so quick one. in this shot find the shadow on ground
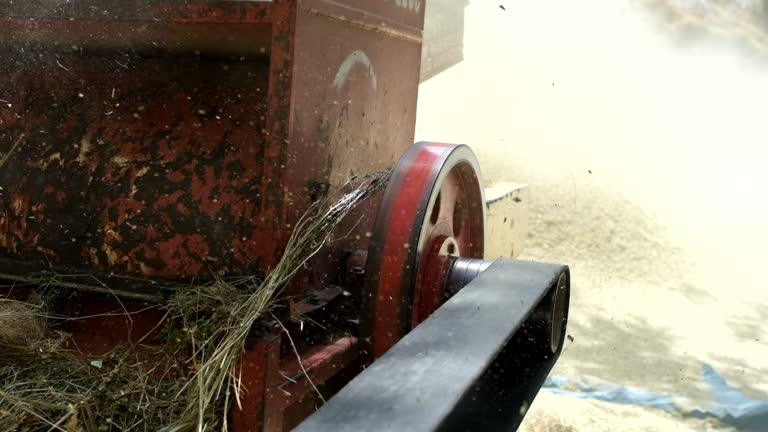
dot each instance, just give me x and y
(751, 327)
(630, 352)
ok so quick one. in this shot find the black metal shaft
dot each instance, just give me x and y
(463, 271)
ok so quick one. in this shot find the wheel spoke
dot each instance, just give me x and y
(449, 192)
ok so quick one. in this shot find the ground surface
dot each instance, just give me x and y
(645, 152)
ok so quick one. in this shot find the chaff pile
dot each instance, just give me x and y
(46, 387)
(182, 387)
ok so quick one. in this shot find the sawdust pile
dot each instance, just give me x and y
(638, 131)
(738, 21)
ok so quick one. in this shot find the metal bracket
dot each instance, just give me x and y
(476, 364)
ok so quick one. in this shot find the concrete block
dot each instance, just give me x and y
(507, 224)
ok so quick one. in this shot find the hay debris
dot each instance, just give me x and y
(21, 322)
(45, 386)
(187, 385)
(219, 353)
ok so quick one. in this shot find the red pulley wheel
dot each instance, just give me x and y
(433, 209)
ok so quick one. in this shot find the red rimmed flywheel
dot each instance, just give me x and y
(433, 209)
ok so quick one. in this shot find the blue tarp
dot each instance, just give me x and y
(728, 405)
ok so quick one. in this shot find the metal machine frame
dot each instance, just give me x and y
(150, 144)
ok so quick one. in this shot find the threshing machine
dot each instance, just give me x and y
(148, 144)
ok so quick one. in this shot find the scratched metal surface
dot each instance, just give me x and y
(164, 164)
(133, 165)
(356, 79)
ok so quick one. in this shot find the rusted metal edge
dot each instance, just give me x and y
(206, 38)
(112, 285)
(166, 11)
(321, 363)
(82, 287)
(362, 19)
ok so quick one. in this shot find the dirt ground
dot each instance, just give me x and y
(645, 154)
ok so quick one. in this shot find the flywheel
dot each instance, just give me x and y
(433, 210)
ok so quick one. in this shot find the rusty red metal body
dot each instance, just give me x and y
(168, 140)
(148, 144)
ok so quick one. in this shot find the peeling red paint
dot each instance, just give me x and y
(176, 177)
(153, 144)
(249, 248)
(164, 201)
(183, 209)
(119, 178)
(126, 208)
(184, 255)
